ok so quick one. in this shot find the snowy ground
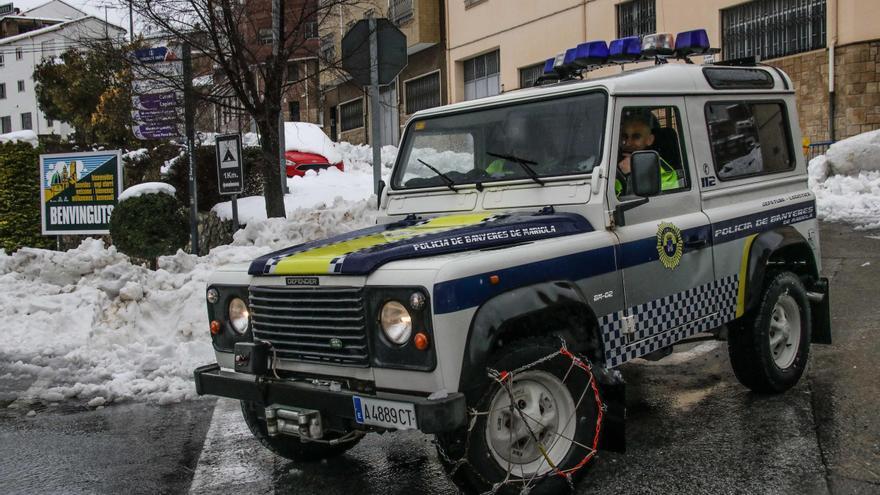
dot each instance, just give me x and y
(87, 325)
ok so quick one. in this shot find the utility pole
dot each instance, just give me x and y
(130, 21)
(278, 39)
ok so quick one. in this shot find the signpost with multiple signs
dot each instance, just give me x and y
(78, 191)
(157, 99)
(230, 171)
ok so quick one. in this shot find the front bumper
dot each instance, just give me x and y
(432, 416)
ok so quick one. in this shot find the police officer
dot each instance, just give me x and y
(636, 134)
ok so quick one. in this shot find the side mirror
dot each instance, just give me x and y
(379, 195)
(645, 173)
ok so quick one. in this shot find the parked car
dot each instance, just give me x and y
(308, 148)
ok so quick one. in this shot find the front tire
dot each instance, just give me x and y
(287, 446)
(538, 428)
(770, 348)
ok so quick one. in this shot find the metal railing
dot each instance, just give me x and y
(815, 149)
(773, 28)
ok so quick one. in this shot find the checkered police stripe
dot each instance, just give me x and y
(662, 322)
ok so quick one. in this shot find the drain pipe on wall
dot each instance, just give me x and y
(832, 35)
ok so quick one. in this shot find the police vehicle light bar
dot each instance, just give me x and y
(694, 42)
(625, 49)
(591, 53)
(548, 66)
(660, 44)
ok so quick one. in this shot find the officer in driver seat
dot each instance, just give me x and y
(637, 134)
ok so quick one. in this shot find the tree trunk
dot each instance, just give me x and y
(268, 126)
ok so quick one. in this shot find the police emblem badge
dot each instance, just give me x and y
(669, 244)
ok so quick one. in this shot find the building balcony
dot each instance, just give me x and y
(419, 20)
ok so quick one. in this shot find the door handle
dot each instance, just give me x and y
(696, 243)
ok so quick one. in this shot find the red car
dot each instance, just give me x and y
(298, 163)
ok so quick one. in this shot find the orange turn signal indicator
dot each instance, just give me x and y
(420, 341)
(494, 279)
(215, 327)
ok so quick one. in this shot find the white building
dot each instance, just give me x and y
(42, 32)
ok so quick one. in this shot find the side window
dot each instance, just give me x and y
(656, 128)
(749, 139)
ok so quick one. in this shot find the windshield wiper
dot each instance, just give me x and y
(522, 163)
(449, 182)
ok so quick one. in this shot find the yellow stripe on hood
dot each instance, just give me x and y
(318, 260)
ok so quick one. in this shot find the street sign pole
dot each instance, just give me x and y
(375, 120)
(190, 146)
(234, 213)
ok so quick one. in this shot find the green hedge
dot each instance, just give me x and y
(20, 198)
(149, 226)
(206, 177)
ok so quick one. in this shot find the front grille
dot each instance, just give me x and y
(301, 323)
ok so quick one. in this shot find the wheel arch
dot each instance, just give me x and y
(558, 308)
(780, 248)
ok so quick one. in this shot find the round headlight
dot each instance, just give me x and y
(396, 322)
(213, 296)
(239, 316)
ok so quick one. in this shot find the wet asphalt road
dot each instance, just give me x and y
(691, 428)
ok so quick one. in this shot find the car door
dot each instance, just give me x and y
(664, 251)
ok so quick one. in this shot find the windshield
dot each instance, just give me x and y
(546, 138)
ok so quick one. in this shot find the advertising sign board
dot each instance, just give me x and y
(78, 191)
(157, 101)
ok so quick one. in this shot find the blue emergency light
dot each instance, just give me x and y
(568, 62)
(694, 42)
(548, 66)
(590, 54)
(625, 49)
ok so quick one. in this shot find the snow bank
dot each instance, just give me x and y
(851, 156)
(317, 189)
(846, 181)
(147, 188)
(87, 325)
(20, 136)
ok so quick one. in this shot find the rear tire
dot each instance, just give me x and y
(769, 348)
(287, 446)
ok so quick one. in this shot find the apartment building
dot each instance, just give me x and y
(421, 84)
(300, 97)
(32, 36)
(830, 48)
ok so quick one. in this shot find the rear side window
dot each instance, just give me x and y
(749, 138)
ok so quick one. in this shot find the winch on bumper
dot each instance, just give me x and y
(431, 415)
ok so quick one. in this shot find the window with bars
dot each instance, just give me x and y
(773, 28)
(528, 75)
(482, 76)
(422, 93)
(401, 11)
(5, 124)
(351, 115)
(636, 18)
(27, 122)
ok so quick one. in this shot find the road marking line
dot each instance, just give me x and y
(232, 460)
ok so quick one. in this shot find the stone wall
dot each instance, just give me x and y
(856, 85)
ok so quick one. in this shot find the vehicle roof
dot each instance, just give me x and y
(665, 79)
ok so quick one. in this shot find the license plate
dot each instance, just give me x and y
(385, 413)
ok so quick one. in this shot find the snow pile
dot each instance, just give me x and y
(147, 188)
(309, 138)
(320, 189)
(248, 139)
(88, 325)
(136, 155)
(20, 136)
(846, 181)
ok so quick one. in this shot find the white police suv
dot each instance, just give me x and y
(529, 244)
